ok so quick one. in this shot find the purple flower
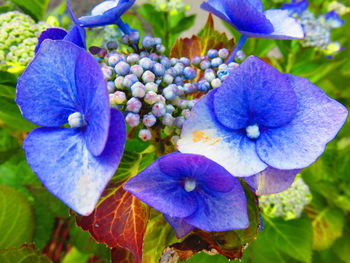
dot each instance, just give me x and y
(64, 84)
(108, 13)
(75, 35)
(192, 192)
(250, 20)
(296, 7)
(262, 119)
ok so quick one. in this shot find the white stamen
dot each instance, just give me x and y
(190, 184)
(76, 120)
(253, 131)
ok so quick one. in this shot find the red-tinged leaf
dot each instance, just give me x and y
(120, 255)
(186, 47)
(120, 220)
(199, 45)
(230, 244)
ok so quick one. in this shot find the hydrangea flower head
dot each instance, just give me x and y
(18, 37)
(288, 204)
(192, 192)
(249, 18)
(261, 118)
(64, 84)
(106, 13)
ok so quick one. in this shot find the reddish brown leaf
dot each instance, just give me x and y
(120, 255)
(186, 47)
(120, 220)
(199, 45)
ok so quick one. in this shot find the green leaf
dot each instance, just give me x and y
(263, 250)
(154, 17)
(8, 145)
(159, 235)
(34, 8)
(74, 256)
(185, 23)
(315, 70)
(293, 237)
(10, 114)
(16, 219)
(205, 258)
(44, 225)
(24, 254)
(7, 78)
(327, 225)
(16, 173)
(134, 23)
(46, 208)
(342, 246)
(326, 256)
(136, 157)
(82, 241)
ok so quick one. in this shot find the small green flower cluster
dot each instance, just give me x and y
(318, 34)
(171, 6)
(288, 204)
(18, 38)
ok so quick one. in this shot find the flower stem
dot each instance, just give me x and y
(126, 30)
(239, 46)
(123, 27)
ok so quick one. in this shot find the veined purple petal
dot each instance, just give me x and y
(203, 134)
(179, 225)
(257, 4)
(255, 93)
(46, 92)
(243, 15)
(207, 173)
(66, 167)
(162, 192)
(301, 142)
(219, 211)
(196, 194)
(94, 101)
(76, 34)
(271, 181)
(50, 33)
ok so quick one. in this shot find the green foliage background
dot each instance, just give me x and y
(29, 214)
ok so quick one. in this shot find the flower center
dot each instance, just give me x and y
(76, 120)
(190, 184)
(253, 131)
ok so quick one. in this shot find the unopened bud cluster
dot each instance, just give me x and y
(288, 204)
(157, 91)
(317, 32)
(18, 39)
